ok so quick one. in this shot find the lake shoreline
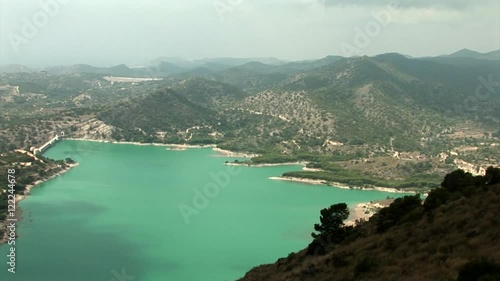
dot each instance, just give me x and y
(299, 180)
(361, 211)
(229, 153)
(266, 164)
(341, 185)
(178, 147)
(21, 197)
(24, 195)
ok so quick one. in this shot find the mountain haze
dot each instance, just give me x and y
(359, 120)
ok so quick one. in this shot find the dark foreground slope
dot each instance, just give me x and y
(458, 225)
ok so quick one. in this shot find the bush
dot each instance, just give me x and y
(340, 259)
(457, 180)
(482, 270)
(363, 266)
(459, 183)
(318, 246)
(398, 212)
(492, 175)
(436, 198)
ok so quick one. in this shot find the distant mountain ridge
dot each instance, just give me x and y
(227, 61)
(333, 111)
(349, 100)
(168, 66)
(466, 53)
(15, 68)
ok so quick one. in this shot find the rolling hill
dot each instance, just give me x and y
(389, 119)
(389, 101)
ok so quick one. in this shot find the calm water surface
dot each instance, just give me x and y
(144, 213)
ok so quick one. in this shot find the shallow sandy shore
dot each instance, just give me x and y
(364, 211)
(176, 148)
(266, 165)
(312, 169)
(146, 144)
(377, 188)
(301, 180)
(179, 147)
(229, 153)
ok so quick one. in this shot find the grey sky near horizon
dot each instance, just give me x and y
(112, 32)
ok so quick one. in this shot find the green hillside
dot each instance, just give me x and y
(386, 120)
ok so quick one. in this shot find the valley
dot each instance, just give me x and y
(209, 140)
(386, 120)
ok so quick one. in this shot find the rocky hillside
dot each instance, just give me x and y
(360, 120)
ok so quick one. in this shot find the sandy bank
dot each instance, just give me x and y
(183, 146)
(305, 169)
(229, 153)
(301, 180)
(178, 147)
(364, 211)
(377, 188)
(266, 165)
(341, 185)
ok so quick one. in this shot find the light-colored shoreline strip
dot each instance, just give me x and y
(145, 144)
(267, 165)
(178, 147)
(299, 180)
(229, 153)
(364, 211)
(343, 186)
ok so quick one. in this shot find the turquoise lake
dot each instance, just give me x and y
(145, 213)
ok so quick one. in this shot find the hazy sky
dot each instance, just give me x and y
(108, 32)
